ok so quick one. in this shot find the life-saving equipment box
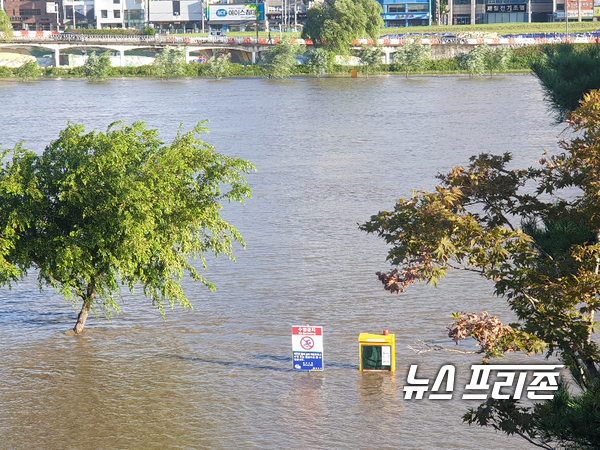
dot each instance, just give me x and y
(377, 352)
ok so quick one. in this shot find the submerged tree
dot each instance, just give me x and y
(319, 61)
(97, 68)
(100, 211)
(412, 56)
(279, 60)
(370, 56)
(541, 251)
(218, 67)
(28, 71)
(170, 63)
(473, 62)
(495, 59)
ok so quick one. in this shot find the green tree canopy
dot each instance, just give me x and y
(28, 71)
(568, 72)
(100, 211)
(6, 29)
(370, 56)
(97, 68)
(541, 251)
(170, 63)
(218, 67)
(412, 56)
(319, 61)
(473, 61)
(337, 25)
(279, 60)
(495, 59)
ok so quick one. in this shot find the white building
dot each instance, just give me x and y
(120, 13)
(175, 14)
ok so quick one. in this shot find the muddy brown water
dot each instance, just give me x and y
(330, 153)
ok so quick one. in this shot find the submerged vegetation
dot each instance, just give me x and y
(514, 60)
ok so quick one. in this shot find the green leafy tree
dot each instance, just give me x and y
(473, 61)
(541, 251)
(28, 71)
(6, 29)
(279, 60)
(496, 59)
(567, 72)
(218, 67)
(170, 63)
(100, 211)
(149, 31)
(412, 56)
(370, 57)
(320, 61)
(336, 26)
(97, 68)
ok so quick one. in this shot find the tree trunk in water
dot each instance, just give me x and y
(83, 315)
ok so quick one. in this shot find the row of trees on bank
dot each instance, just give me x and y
(281, 61)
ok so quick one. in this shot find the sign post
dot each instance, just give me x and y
(307, 347)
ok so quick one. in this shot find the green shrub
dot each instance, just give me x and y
(5, 72)
(28, 71)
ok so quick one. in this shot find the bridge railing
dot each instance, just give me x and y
(161, 40)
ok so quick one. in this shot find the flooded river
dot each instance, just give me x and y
(329, 153)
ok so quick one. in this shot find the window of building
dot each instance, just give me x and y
(30, 12)
(117, 14)
(104, 14)
(462, 2)
(400, 8)
(117, 2)
(417, 7)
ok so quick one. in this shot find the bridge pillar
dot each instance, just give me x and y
(122, 58)
(187, 55)
(57, 57)
(253, 57)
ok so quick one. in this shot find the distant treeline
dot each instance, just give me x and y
(520, 61)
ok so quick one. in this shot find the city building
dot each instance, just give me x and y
(406, 13)
(32, 15)
(119, 13)
(177, 15)
(506, 11)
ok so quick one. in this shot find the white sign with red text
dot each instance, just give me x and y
(307, 347)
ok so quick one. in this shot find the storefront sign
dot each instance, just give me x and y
(235, 13)
(505, 8)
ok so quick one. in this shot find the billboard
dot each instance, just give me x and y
(587, 8)
(51, 8)
(235, 13)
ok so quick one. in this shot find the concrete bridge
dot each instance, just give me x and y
(442, 46)
(121, 44)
